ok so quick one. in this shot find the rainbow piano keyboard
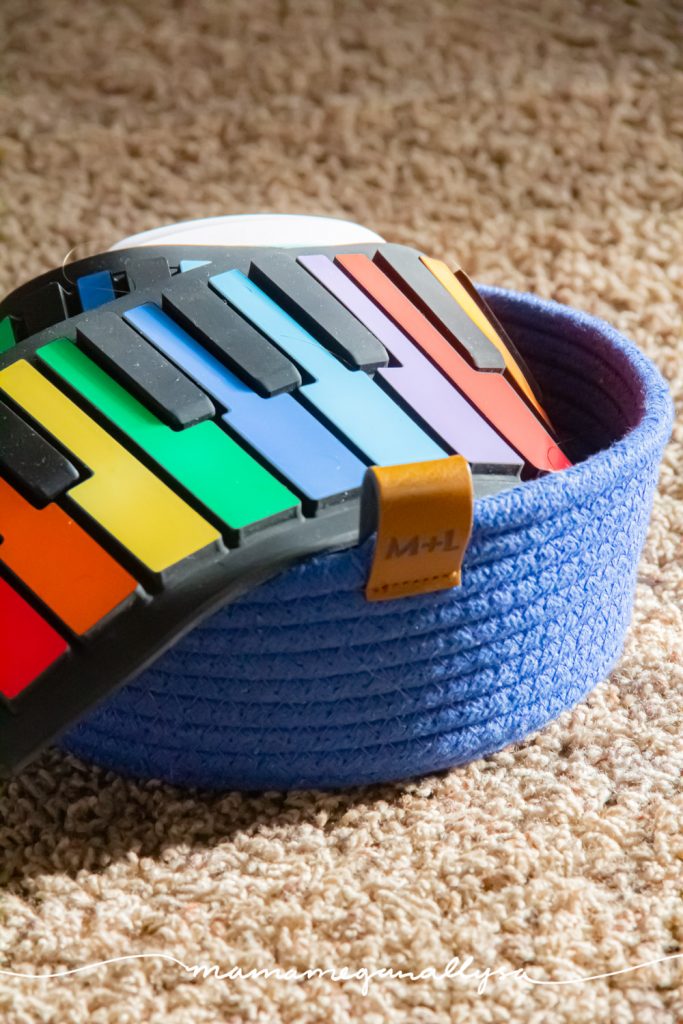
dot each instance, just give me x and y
(180, 425)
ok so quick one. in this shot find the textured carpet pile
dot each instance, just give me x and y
(540, 145)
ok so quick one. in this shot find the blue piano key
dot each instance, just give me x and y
(191, 264)
(279, 428)
(95, 289)
(349, 399)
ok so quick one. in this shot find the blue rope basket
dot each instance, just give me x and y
(302, 682)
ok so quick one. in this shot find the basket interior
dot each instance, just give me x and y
(592, 391)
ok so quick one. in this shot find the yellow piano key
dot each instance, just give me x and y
(132, 504)
(447, 278)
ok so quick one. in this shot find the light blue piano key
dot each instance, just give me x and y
(191, 264)
(349, 399)
(95, 290)
(279, 428)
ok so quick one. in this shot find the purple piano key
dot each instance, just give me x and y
(418, 382)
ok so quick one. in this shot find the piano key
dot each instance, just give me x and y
(140, 368)
(122, 495)
(59, 562)
(491, 393)
(350, 400)
(28, 644)
(47, 307)
(280, 429)
(464, 293)
(30, 461)
(95, 290)
(415, 379)
(287, 283)
(205, 460)
(404, 267)
(186, 265)
(145, 271)
(229, 337)
(7, 339)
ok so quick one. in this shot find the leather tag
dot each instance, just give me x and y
(423, 516)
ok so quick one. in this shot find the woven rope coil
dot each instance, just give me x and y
(302, 682)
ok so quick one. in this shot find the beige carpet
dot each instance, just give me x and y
(540, 144)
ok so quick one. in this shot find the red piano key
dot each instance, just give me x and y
(490, 392)
(28, 644)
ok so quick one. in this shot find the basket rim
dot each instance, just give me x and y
(558, 491)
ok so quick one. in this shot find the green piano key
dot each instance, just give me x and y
(6, 335)
(203, 458)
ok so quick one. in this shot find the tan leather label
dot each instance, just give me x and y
(424, 521)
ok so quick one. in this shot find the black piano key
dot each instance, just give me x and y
(499, 329)
(30, 462)
(408, 272)
(306, 300)
(47, 306)
(230, 337)
(145, 271)
(142, 370)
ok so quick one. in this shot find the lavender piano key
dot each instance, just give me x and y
(418, 382)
